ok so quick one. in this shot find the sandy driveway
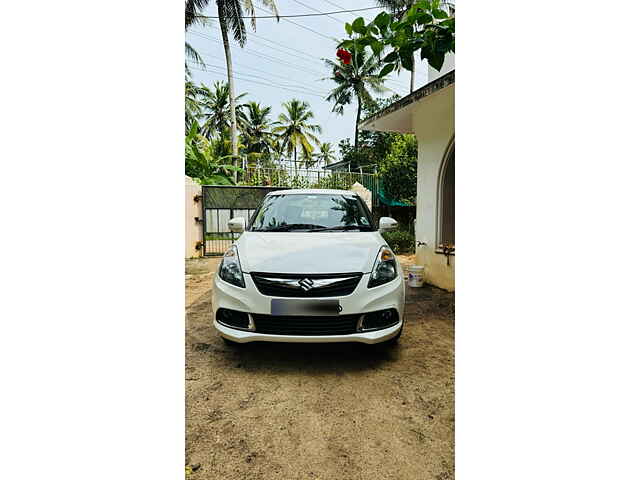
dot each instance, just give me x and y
(341, 411)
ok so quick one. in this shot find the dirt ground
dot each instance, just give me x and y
(328, 411)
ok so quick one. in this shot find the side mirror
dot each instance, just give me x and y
(387, 224)
(236, 225)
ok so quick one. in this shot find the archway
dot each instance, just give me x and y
(447, 199)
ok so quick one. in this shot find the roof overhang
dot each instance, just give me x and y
(336, 165)
(398, 117)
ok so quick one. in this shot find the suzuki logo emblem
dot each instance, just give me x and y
(306, 284)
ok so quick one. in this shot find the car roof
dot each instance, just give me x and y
(312, 191)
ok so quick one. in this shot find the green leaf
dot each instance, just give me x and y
(449, 23)
(358, 26)
(386, 70)
(410, 15)
(348, 28)
(232, 168)
(406, 58)
(192, 132)
(440, 14)
(392, 57)
(377, 47)
(424, 19)
(435, 59)
(220, 180)
(382, 21)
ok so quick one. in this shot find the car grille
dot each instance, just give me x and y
(298, 325)
(320, 285)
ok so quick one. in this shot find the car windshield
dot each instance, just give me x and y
(311, 212)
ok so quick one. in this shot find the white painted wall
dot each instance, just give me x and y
(193, 229)
(434, 126)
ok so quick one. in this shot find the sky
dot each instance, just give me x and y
(282, 60)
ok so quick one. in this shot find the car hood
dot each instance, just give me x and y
(308, 252)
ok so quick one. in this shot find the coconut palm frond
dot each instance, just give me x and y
(192, 9)
(233, 20)
(191, 53)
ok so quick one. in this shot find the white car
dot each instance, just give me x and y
(310, 267)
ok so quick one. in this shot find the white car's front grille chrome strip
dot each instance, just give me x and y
(301, 285)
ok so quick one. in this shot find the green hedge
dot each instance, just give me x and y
(400, 241)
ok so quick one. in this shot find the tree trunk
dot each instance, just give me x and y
(232, 92)
(357, 122)
(413, 77)
(295, 160)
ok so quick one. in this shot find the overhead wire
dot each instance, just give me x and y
(320, 14)
(259, 54)
(265, 72)
(302, 26)
(252, 68)
(316, 10)
(288, 52)
(235, 77)
(301, 87)
(283, 62)
(338, 6)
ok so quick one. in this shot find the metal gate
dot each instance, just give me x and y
(222, 203)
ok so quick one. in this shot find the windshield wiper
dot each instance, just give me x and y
(288, 227)
(342, 227)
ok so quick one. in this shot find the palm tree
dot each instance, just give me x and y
(231, 15)
(295, 130)
(190, 17)
(216, 108)
(355, 79)
(191, 105)
(325, 155)
(256, 128)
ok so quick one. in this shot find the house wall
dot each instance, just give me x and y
(434, 126)
(193, 229)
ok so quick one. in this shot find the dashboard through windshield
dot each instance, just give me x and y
(312, 213)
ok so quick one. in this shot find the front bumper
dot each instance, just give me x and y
(362, 300)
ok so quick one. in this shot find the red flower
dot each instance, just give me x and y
(344, 56)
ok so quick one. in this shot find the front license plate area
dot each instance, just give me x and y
(280, 306)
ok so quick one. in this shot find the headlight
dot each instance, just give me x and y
(230, 270)
(385, 268)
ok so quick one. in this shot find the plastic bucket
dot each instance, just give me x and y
(416, 276)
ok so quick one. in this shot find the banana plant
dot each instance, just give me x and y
(203, 161)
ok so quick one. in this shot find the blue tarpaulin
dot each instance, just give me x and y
(390, 201)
